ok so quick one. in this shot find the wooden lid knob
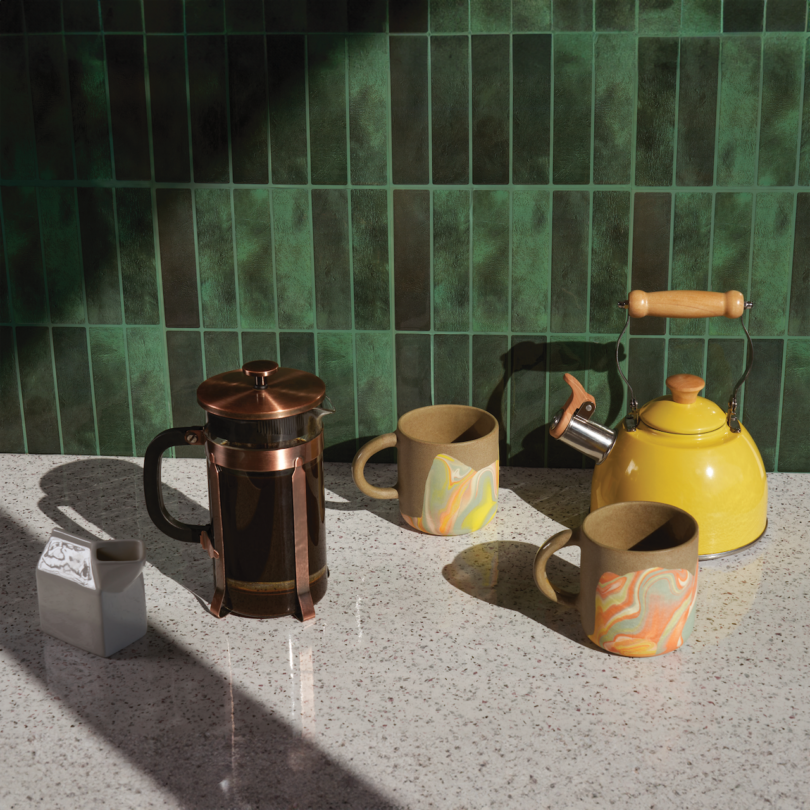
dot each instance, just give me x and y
(685, 387)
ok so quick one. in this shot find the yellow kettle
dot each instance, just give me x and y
(679, 449)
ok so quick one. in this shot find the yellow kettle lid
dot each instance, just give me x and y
(683, 412)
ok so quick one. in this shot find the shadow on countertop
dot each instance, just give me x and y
(502, 573)
(201, 737)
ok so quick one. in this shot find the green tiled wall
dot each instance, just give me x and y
(420, 202)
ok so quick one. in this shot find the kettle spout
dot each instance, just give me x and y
(572, 424)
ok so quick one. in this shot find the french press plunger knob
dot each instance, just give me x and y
(261, 371)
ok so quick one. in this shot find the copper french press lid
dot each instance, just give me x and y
(261, 390)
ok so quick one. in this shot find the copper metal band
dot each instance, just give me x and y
(237, 458)
(220, 582)
(272, 587)
(299, 488)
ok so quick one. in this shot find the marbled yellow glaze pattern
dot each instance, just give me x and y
(458, 499)
(644, 613)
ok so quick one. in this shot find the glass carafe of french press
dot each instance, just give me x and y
(263, 444)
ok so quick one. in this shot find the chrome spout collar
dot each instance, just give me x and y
(593, 440)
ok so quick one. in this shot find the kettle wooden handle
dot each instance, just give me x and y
(686, 304)
(579, 396)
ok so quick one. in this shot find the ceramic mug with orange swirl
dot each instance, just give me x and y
(638, 576)
(447, 461)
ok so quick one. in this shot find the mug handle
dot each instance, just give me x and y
(551, 546)
(359, 464)
(173, 437)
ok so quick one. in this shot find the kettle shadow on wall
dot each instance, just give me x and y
(501, 573)
(198, 736)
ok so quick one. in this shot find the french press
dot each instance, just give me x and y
(263, 445)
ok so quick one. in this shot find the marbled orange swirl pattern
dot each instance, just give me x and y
(644, 613)
(458, 499)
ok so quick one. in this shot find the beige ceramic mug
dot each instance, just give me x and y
(447, 461)
(638, 576)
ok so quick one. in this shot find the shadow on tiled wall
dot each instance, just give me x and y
(395, 195)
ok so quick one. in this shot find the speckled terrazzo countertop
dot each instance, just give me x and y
(435, 674)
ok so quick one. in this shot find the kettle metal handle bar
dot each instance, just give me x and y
(687, 304)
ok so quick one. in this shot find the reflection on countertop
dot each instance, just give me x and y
(435, 674)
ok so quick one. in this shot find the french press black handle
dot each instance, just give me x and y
(152, 489)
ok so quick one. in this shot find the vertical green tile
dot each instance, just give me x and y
(531, 15)
(794, 448)
(332, 15)
(449, 57)
(254, 258)
(573, 77)
(411, 223)
(615, 67)
(659, 17)
(99, 255)
(804, 153)
(731, 251)
(490, 16)
(786, 15)
(205, 16)
(43, 16)
(136, 241)
(24, 254)
(259, 346)
(298, 351)
(80, 15)
(531, 260)
(800, 285)
(413, 372)
(569, 261)
(18, 157)
(63, 263)
(451, 261)
(370, 259)
(5, 303)
(615, 15)
(336, 369)
(604, 382)
(368, 109)
(292, 238)
(221, 352)
(739, 111)
(330, 229)
(531, 108)
(121, 15)
(451, 369)
(367, 15)
(646, 368)
(564, 357)
(609, 260)
(685, 356)
(655, 118)
(11, 430)
(148, 377)
(725, 363)
(490, 368)
(11, 17)
(215, 250)
(697, 110)
(701, 17)
(782, 72)
(163, 16)
(375, 390)
(743, 15)
(573, 15)
(490, 271)
(770, 277)
(88, 96)
(113, 416)
(244, 15)
(527, 424)
(691, 253)
(72, 365)
(185, 375)
(51, 104)
(326, 58)
(490, 108)
(286, 68)
(449, 16)
(36, 377)
(761, 395)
